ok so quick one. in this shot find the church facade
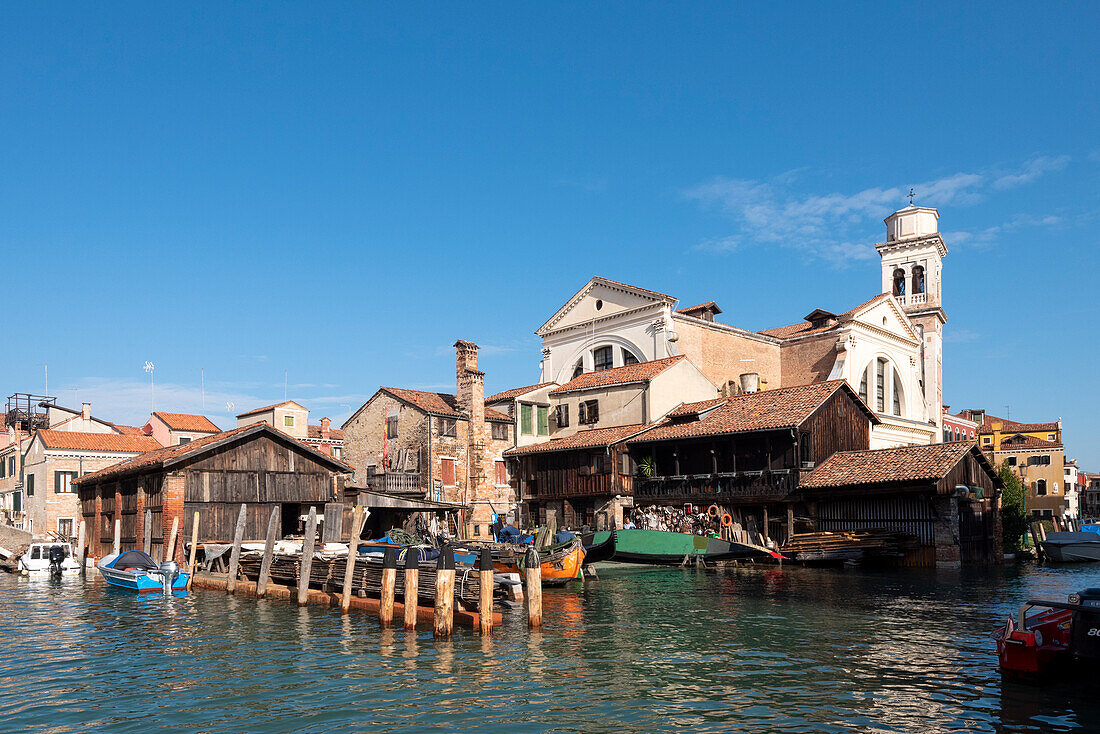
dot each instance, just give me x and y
(888, 348)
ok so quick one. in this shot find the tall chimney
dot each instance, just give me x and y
(86, 411)
(325, 423)
(470, 395)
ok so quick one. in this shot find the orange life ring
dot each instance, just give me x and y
(726, 520)
(713, 510)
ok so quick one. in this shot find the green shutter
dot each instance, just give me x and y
(544, 420)
(525, 422)
(57, 482)
(30, 485)
(17, 502)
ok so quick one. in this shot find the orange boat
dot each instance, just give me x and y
(560, 564)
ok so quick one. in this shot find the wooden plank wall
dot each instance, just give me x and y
(911, 514)
(838, 425)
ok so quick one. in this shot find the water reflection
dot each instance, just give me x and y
(656, 650)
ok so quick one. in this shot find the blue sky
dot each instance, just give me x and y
(341, 191)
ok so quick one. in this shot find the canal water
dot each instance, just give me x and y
(749, 649)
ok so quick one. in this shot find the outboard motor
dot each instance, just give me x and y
(57, 557)
(168, 572)
(1085, 637)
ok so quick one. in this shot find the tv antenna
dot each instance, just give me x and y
(149, 367)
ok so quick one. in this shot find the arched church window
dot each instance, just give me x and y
(899, 282)
(897, 394)
(602, 359)
(629, 357)
(863, 387)
(578, 368)
(918, 279)
(880, 385)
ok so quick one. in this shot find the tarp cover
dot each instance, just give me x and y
(134, 559)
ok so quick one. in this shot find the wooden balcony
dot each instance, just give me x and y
(396, 483)
(732, 487)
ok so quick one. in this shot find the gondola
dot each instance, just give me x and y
(595, 552)
(663, 547)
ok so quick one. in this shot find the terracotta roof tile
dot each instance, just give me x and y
(515, 392)
(1020, 441)
(906, 464)
(108, 442)
(160, 455)
(785, 407)
(597, 437)
(334, 434)
(708, 306)
(641, 372)
(1008, 426)
(805, 328)
(266, 408)
(439, 403)
(130, 430)
(188, 422)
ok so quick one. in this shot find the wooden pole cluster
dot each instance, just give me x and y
(485, 603)
(269, 553)
(444, 592)
(389, 582)
(307, 556)
(358, 518)
(412, 586)
(533, 572)
(235, 554)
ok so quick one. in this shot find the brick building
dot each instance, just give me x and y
(293, 419)
(172, 429)
(437, 446)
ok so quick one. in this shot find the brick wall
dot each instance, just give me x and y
(718, 353)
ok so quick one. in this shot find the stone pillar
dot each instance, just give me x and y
(945, 510)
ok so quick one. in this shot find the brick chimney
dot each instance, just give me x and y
(86, 411)
(470, 394)
(325, 423)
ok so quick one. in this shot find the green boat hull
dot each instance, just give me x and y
(664, 547)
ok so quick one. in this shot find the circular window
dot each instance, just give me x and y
(599, 304)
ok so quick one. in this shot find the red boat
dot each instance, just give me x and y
(1060, 637)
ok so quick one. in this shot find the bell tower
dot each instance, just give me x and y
(912, 270)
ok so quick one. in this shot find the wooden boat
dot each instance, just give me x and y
(135, 571)
(662, 547)
(1072, 547)
(595, 552)
(560, 563)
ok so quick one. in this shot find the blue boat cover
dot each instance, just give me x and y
(1090, 528)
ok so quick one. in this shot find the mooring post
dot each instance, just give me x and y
(194, 549)
(80, 545)
(235, 554)
(533, 572)
(412, 582)
(118, 540)
(389, 582)
(147, 536)
(485, 602)
(307, 556)
(444, 592)
(269, 552)
(170, 549)
(357, 520)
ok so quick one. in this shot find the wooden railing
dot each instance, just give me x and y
(735, 487)
(399, 482)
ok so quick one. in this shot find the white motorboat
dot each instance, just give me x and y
(1072, 547)
(44, 559)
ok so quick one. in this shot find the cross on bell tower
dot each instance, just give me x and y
(911, 195)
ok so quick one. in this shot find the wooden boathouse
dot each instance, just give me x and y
(946, 496)
(257, 465)
(747, 453)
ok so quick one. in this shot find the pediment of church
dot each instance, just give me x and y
(884, 314)
(601, 298)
